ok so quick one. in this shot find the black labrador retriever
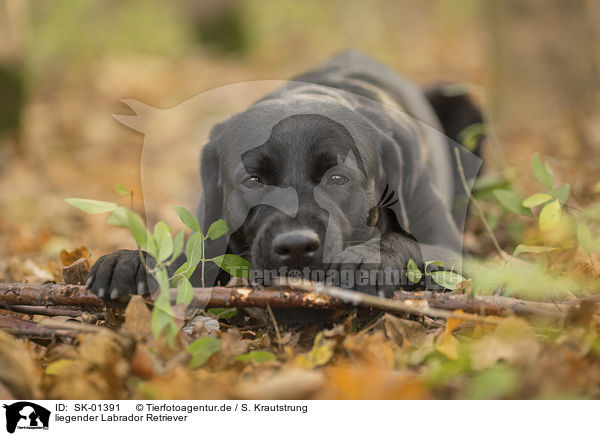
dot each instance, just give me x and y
(342, 175)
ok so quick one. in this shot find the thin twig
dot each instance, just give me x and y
(71, 325)
(277, 334)
(361, 299)
(461, 172)
(40, 332)
(52, 311)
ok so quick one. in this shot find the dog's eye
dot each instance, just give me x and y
(252, 182)
(337, 179)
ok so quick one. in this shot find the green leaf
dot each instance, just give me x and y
(187, 218)
(183, 270)
(593, 211)
(413, 273)
(120, 189)
(256, 356)
(201, 350)
(522, 248)
(536, 199)
(185, 292)
(217, 229)
(123, 217)
(162, 277)
(447, 279)
(470, 135)
(224, 313)
(193, 251)
(434, 262)
(550, 216)
(542, 172)
(92, 206)
(511, 201)
(164, 241)
(178, 242)
(162, 318)
(235, 265)
(493, 383)
(488, 183)
(562, 192)
(585, 239)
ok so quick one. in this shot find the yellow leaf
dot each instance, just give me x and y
(321, 353)
(453, 323)
(448, 346)
(550, 216)
(58, 366)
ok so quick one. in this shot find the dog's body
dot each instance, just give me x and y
(344, 169)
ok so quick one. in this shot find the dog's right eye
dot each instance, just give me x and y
(252, 182)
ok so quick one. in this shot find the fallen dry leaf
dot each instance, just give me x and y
(320, 354)
(18, 371)
(403, 331)
(67, 258)
(292, 384)
(138, 318)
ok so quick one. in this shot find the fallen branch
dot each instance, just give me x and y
(301, 296)
(52, 311)
(22, 327)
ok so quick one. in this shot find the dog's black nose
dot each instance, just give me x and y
(296, 245)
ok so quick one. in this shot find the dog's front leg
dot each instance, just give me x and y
(379, 265)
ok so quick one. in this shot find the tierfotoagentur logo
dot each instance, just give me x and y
(25, 415)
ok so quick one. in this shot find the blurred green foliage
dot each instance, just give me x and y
(74, 32)
(12, 97)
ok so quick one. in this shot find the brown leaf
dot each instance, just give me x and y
(374, 348)
(291, 384)
(513, 342)
(232, 345)
(5, 394)
(36, 274)
(403, 331)
(142, 363)
(138, 318)
(69, 257)
(351, 382)
(18, 371)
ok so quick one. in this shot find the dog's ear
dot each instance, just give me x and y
(462, 120)
(210, 207)
(391, 214)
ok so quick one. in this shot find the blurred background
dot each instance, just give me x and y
(64, 67)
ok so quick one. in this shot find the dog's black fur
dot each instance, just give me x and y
(343, 168)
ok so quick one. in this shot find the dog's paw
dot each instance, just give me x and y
(116, 276)
(366, 268)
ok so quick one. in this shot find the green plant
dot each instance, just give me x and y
(166, 248)
(550, 203)
(446, 279)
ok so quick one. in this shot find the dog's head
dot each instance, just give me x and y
(301, 180)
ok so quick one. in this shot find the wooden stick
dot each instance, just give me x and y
(52, 311)
(302, 296)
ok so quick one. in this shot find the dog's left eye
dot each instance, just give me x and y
(252, 182)
(337, 179)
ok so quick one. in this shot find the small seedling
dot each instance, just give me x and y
(166, 249)
(446, 279)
